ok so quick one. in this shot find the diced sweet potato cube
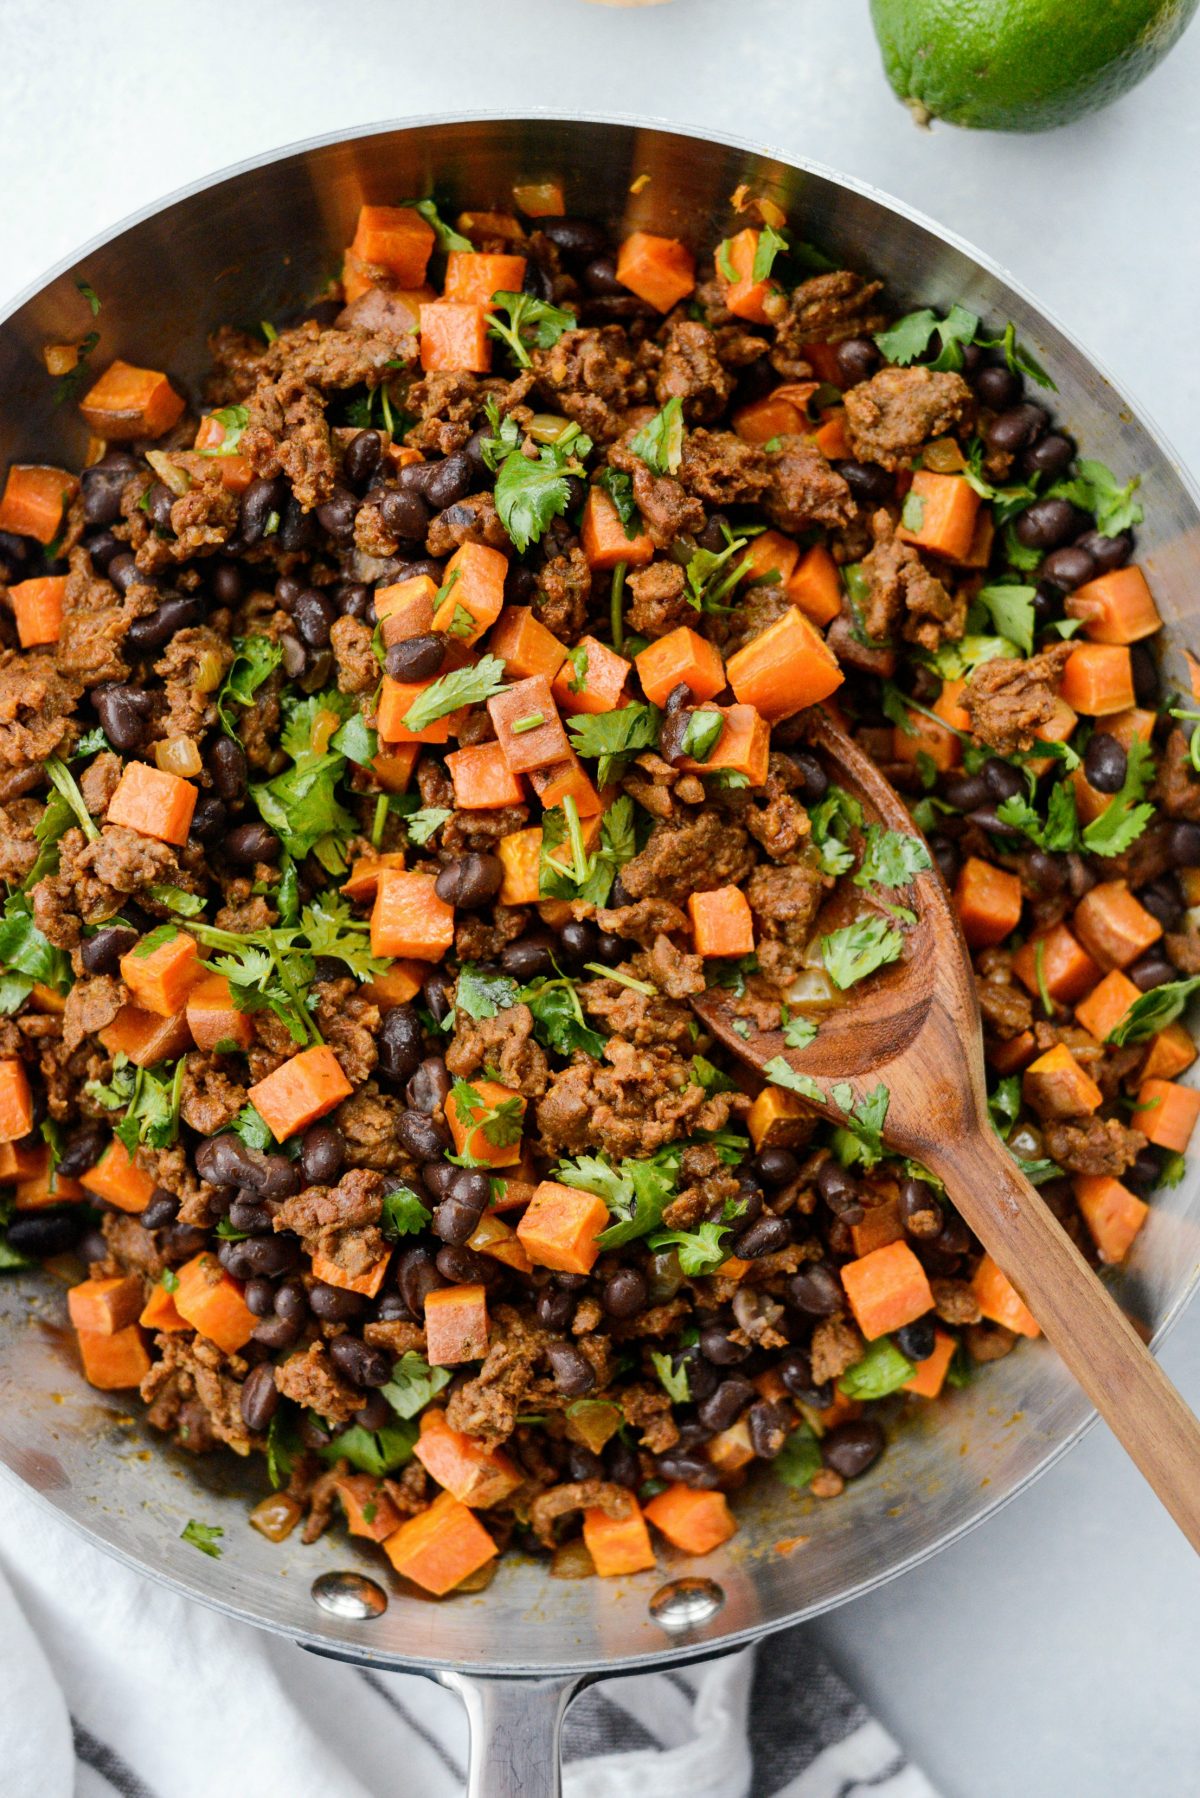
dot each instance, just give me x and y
(604, 538)
(778, 1119)
(785, 668)
(1098, 679)
(617, 1544)
(396, 697)
(483, 780)
(118, 1179)
(363, 879)
(999, 1300)
(153, 803)
(929, 1375)
(946, 505)
(524, 645)
(816, 586)
(369, 1511)
(592, 679)
(35, 500)
(440, 1547)
(160, 1312)
(38, 609)
(1113, 926)
(393, 768)
(721, 922)
(211, 1301)
(161, 974)
(521, 854)
(528, 726)
(478, 1476)
(456, 1325)
(22, 1160)
(685, 656)
(560, 1227)
(397, 239)
(693, 1521)
(113, 1363)
(1117, 607)
(16, 1101)
(886, 1289)
(475, 575)
(660, 270)
(552, 785)
(300, 1091)
(405, 609)
(487, 1125)
(743, 295)
(409, 919)
(492, 1236)
(1107, 1004)
(1057, 1087)
(880, 1225)
(475, 278)
(455, 337)
(1166, 1113)
(1066, 968)
(214, 1020)
(781, 413)
(1171, 1052)
(366, 1284)
(731, 1448)
(1112, 1213)
(43, 1185)
(145, 1037)
(744, 746)
(396, 985)
(106, 1306)
(988, 902)
(127, 403)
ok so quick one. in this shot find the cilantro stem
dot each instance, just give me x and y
(1039, 969)
(622, 979)
(294, 994)
(575, 832)
(379, 820)
(63, 782)
(618, 606)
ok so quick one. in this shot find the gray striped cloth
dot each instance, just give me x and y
(113, 1686)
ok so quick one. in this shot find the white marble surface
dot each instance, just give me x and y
(1052, 1653)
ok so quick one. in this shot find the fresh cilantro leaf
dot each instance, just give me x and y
(799, 1459)
(708, 1075)
(253, 1129)
(859, 1140)
(254, 660)
(855, 951)
(908, 338)
(1172, 1171)
(501, 1124)
(413, 1384)
(891, 859)
(674, 1380)
(65, 784)
(732, 975)
(116, 1093)
(233, 421)
(1095, 489)
(483, 995)
(14, 990)
(1011, 609)
(403, 1213)
(506, 435)
(832, 821)
(619, 488)
(955, 661)
(636, 1195)
(712, 574)
(702, 733)
(1007, 502)
(373, 1451)
(447, 238)
(912, 512)
(558, 1021)
(883, 1369)
(1060, 833)
(90, 295)
(331, 930)
(1153, 1011)
(613, 736)
(302, 808)
(798, 1032)
(462, 686)
(530, 323)
(306, 721)
(1019, 555)
(24, 950)
(204, 1536)
(578, 659)
(421, 825)
(530, 492)
(1004, 1104)
(781, 1073)
(91, 743)
(659, 443)
(1123, 820)
(283, 1446)
(184, 905)
(956, 330)
(700, 1251)
(1020, 360)
(356, 741)
(770, 243)
(583, 875)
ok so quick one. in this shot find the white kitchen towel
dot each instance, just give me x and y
(114, 1686)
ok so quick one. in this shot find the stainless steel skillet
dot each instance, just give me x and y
(254, 244)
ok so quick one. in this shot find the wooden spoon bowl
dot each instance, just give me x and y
(914, 1028)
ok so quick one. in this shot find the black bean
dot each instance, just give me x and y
(437, 989)
(839, 1191)
(600, 276)
(322, 1154)
(421, 1136)
(622, 1464)
(50, 1232)
(334, 1304)
(102, 485)
(297, 527)
(281, 1333)
(225, 582)
(251, 843)
(437, 1177)
(555, 1308)
(1068, 568)
(258, 1293)
(404, 515)
(359, 1363)
(626, 1293)
(101, 546)
(374, 1413)
(769, 1422)
(766, 1236)
(1146, 1170)
(157, 504)
(689, 1470)
(869, 484)
(1051, 457)
(579, 239)
(429, 1087)
(179, 1242)
(265, 1255)
(259, 1397)
(1001, 779)
(261, 498)
(1104, 763)
(15, 553)
(291, 1301)
(313, 1433)
(1163, 900)
(417, 658)
(945, 854)
(954, 1238)
(857, 360)
(470, 881)
(454, 1223)
(917, 1340)
(816, 1290)
(1049, 523)
(966, 791)
(362, 457)
(795, 1370)
(578, 940)
(400, 1043)
(227, 765)
(288, 588)
(124, 572)
(998, 386)
(314, 614)
(449, 481)
(850, 1448)
(727, 1403)
(210, 819)
(246, 1213)
(179, 612)
(775, 1167)
(1016, 428)
(920, 1212)
(610, 949)
(162, 1210)
(463, 1267)
(101, 954)
(573, 1372)
(583, 1463)
(352, 598)
(1107, 552)
(1145, 674)
(1183, 844)
(337, 514)
(1151, 970)
(124, 712)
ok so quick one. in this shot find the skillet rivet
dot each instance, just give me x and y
(686, 1604)
(350, 1595)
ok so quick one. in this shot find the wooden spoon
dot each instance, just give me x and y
(915, 1027)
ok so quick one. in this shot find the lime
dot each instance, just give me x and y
(1021, 65)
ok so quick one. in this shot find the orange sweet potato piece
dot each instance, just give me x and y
(693, 1521)
(1098, 680)
(948, 505)
(474, 277)
(476, 1475)
(744, 296)
(1112, 1213)
(617, 1544)
(40, 1186)
(660, 270)
(213, 1019)
(35, 500)
(440, 1547)
(161, 975)
(409, 919)
(146, 1037)
(160, 1312)
(153, 803)
(524, 645)
(1106, 1004)
(393, 768)
(366, 1284)
(1057, 1087)
(1172, 1051)
(117, 1178)
(774, 1117)
(492, 1236)
(1068, 971)
(455, 337)
(1166, 1113)
(682, 655)
(127, 402)
(732, 1448)
(596, 684)
(560, 1227)
(988, 902)
(880, 1225)
(926, 736)
(785, 668)
(744, 745)
(1113, 926)
(396, 985)
(781, 413)
(105, 1306)
(362, 882)
(886, 1289)
(478, 589)
(603, 536)
(816, 586)
(470, 1132)
(16, 1101)
(395, 238)
(300, 1090)
(528, 726)
(539, 199)
(456, 1325)
(113, 1363)
(405, 609)
(483, 780)
(552, 785)
(999, 1300)
(38, 608)
(721, 922)
(369, 1511)
(21, 1161)
(930, 1374)
(1116, 608)
(770, 553)
(211, 1301)
(521, 853)
(395, 698)
(830, 437)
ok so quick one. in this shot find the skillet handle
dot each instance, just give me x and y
(515, 1726)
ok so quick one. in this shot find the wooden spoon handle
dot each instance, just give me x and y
(1080, 1318)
